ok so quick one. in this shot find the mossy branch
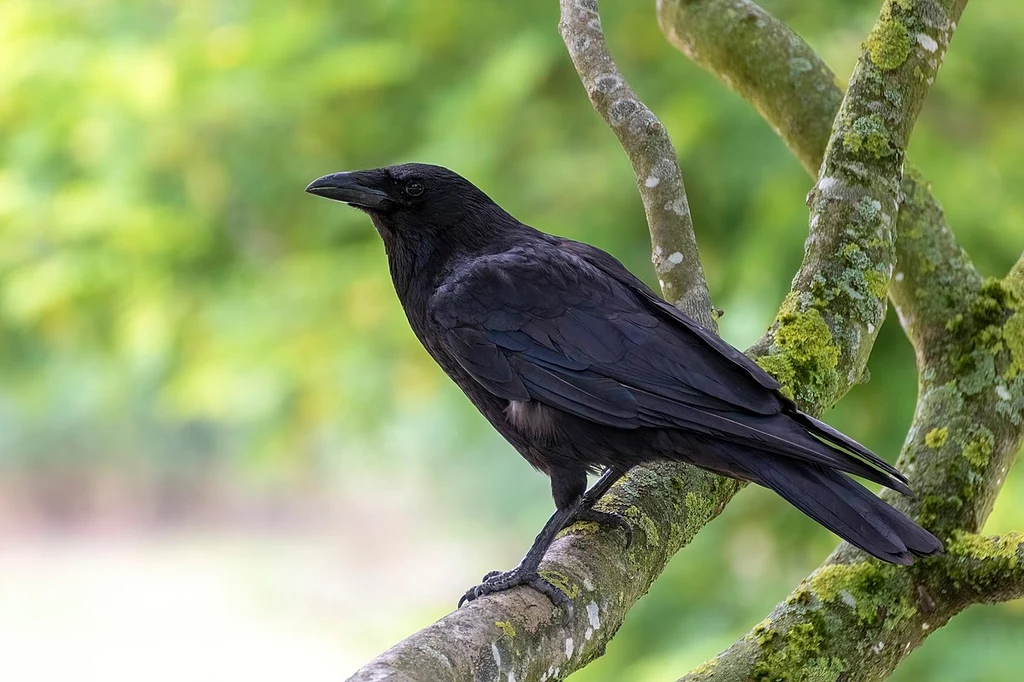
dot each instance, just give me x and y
(652, 155)
(860, 617)
(519, 635)
(980, 569)
(857, 618)
(770, 66)
(1015, 278)
(850, 254)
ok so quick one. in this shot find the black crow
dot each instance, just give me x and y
(583, 368)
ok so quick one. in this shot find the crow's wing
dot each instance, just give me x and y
(816, 428)
(569, 327)
(549, 326)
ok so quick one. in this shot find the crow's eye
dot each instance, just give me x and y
(414, 188)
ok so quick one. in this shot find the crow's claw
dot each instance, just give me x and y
(496, 581)
(609, 519)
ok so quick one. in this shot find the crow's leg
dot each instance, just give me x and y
(526, 572)
(567, 487)
(572, 504)
(588, 513)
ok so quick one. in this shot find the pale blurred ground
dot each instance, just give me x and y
(305, 601)
(311, 596)
(205, 608)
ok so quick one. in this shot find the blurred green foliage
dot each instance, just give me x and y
(169, 297)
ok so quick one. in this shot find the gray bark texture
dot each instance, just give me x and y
(875, 234)
(652, 155)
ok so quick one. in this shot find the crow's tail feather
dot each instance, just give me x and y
(831, 498)
(810, 441)
(850, 511)
(840, 440)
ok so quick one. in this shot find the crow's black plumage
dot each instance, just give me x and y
(582, 367)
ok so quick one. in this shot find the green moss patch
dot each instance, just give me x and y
(580, 528)
(936, 438)
(868, 589)
(561, 581)
(1013, 336)
(645, 523)
(978, 452)
(969, 545)
(804, 357)
(888, 44)
(868, 134)
(878, 283)
(507, 629)
(992, 558)
(796, 656)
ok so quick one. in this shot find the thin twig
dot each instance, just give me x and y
(652, 155)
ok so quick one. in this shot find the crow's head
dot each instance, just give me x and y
(412, 197)
(421, 211)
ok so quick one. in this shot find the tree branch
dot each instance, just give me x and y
(849, 256)
(862, 617)
(983, 569)
(770, 66)
(859, 620)
(519, 635)
(652, 155)
(794, 91)
(1016, 277)
(968, 424)
(934, 275)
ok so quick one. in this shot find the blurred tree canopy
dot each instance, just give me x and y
(170, 298)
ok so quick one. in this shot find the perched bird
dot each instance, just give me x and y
(583, 368)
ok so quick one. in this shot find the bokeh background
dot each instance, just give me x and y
(223, 454)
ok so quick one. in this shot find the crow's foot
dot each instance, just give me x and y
(606, 518)
(497, 581)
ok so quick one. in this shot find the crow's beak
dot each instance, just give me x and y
(356, 189)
